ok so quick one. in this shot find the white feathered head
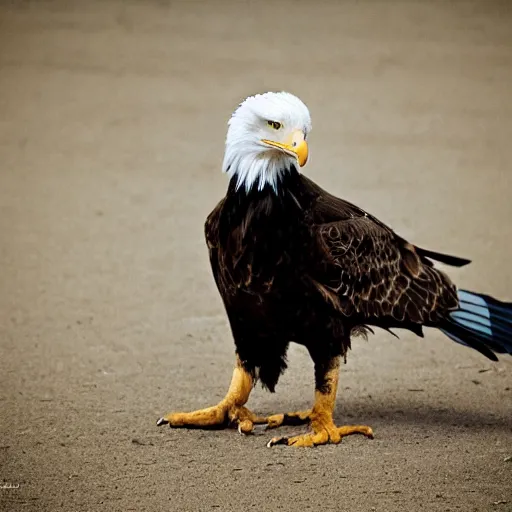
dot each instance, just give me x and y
(266, 137)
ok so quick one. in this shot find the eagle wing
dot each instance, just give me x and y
(370, 273)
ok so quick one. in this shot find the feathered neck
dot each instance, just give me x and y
(256, 168)
(279, 183)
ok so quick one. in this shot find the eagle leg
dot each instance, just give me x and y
(228, 412)
(320, 417)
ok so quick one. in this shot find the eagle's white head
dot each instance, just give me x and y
(266, 138)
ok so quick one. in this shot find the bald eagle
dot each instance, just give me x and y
(295, 263)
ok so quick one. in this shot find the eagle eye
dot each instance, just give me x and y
(276, 125)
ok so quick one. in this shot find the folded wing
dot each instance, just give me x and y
(370, 273)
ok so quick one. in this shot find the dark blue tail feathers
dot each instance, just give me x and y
(482, 323)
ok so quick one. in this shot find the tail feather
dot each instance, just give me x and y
(454, 261)
(482, 323)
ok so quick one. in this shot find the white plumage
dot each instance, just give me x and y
(249, 154)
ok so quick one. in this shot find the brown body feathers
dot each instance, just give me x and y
(298, 264)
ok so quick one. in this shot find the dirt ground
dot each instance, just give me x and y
(112, 121)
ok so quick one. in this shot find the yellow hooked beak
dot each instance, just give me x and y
(295, 145)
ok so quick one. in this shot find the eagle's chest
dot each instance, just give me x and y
(265, 256)
(262, 243)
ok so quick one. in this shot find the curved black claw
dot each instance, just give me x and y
(277, 440)
(161, 421)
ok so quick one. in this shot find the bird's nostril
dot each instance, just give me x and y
(294, 144)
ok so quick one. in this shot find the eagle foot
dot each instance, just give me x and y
(322, 434)
(229, 412)
(218, 416)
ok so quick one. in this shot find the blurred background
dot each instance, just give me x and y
(112, 123)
